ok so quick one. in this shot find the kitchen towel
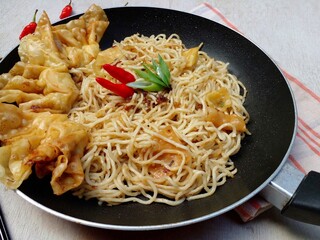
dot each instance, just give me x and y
(305, 151)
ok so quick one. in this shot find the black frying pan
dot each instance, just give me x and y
(269, 102)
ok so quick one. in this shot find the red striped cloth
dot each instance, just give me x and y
(305, 152)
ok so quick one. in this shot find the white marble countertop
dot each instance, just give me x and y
(287, 30)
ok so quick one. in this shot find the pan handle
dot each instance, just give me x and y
(296, 195)
(304, 205)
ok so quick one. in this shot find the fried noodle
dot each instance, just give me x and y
(159, 146)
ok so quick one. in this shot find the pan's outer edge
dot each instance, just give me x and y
(182, 223)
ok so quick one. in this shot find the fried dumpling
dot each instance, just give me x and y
(54, 92)
(78, 29)
(51, 142)
(27, 70)
(35, 131)
(4, 78)
(44, 32)
(60, 152)
(40, 48)
(17, 96)
(80, 57)
(12, 171)
(78, 40)
(15, 145)
(24, 84)
(33, 50)
(59, 93)
(11, 118)
(96, 23)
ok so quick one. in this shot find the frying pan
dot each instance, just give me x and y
(263, 154)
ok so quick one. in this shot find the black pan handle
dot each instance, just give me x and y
(304, 205)
(296, 195)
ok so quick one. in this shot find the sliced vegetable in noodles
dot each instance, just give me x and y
(157, 74)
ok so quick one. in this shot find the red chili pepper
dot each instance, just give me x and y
(30, 28)
(120, 89)
(119, 73)
(66, 11)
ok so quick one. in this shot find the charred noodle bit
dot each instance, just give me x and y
(38, 132)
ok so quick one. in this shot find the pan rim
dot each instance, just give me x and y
(190, 221)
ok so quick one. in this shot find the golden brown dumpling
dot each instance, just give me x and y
(60, 152)
(38, 132)
(54, 92)
(26, 70)
(23, 84)
(59, 93)
(17, 96)
(10, 118)
(51, 142)
(34, 50)
(96, 23)
(12, 171)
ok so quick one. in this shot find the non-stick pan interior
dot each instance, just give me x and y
(269, 103)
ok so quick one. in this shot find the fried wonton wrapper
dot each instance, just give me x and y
(51, 142)
(38, 49)
(37, 132)
(74, 44)
(60, 152)
(40, 81)
(78, 39)
(28, 70)
(54, 92)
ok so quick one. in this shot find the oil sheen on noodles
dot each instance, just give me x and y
(160, 147)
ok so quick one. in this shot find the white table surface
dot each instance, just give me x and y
(288, 30)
